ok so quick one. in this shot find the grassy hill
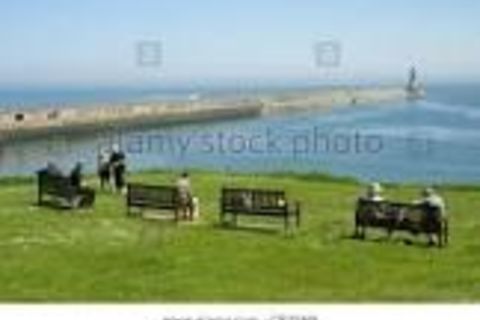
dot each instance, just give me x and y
(101, 256)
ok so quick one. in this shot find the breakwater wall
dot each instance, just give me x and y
(21, 124)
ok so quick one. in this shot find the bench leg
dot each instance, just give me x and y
(222, 218)
(297, 214)
(359, 229)
(445, 232)
(356, 229)
(389, 233)
(177, 215)
(287, 222)
(442, 235)
(363, 232)
(440, 238)
(39, 196)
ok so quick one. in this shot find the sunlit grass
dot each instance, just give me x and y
(50, 255)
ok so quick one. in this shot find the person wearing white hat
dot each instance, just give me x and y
(369, 206)
(374, 192)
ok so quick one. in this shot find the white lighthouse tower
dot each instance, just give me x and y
(414, 88)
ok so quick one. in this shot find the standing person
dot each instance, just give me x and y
(104, 169)
(185, 199)
(117, 163)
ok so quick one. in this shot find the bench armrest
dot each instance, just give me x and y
(297, 207)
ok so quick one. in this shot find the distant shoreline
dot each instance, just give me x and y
(325, 177)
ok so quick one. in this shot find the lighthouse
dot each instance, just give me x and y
(414, 87)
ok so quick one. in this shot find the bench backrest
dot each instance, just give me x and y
(396, 210)
(410, 211)
(253, 200)
(367, 207)
(55, 185)
(152, 196)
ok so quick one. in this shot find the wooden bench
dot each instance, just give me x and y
(59, 191)
(397, 216)
(160, 198)
(256, 202)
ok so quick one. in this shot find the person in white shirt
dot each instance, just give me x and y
(432, 199)
(185, 197)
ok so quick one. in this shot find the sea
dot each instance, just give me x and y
(435, 140)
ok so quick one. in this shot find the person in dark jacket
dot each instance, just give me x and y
(117, 163)
(104, 169)
(86, 196)
(53, 170)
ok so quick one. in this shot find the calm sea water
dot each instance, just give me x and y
(436, 140)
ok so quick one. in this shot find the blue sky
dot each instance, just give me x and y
(93, 42)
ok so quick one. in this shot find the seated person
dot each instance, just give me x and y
(86, 196)
(53, 170)
(373, 193)
(371, 209)
(430, 198)
(185, 198)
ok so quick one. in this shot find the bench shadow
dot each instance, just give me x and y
(385, 239)
(56, 207)
(249, 228)
(166, 220)
(157, 217)
(157, 224)
(420, 244)
(354, 237)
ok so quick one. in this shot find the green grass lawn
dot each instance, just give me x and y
(102, 256)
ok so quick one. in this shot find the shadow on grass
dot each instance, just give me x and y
(386, 240)
(259, 229)
(54, 206)
(157, 217)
